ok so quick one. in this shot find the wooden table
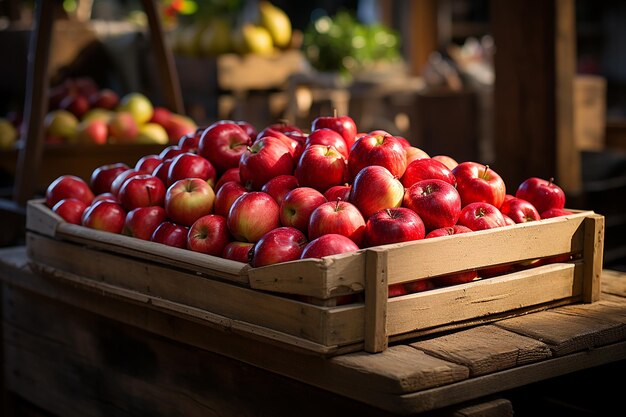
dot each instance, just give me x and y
(75, 352)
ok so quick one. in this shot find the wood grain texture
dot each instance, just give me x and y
(593, 257)
(376, 300)
(485, 349)
(499, 407)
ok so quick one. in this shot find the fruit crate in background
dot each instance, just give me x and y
(302, 303)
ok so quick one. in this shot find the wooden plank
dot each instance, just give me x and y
(41, 219)
(484, 297)
(281, 314)
(592, 258)
(376, 296)
(566, 333)
(500, 407)
(485, 349)
(448, 254)
(614, 282)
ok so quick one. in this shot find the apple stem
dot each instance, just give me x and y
(337, 203)
(389, 213)
(485, 171)
(149, 194)
(551, 181)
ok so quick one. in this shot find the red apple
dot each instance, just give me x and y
(106, 197)
(171, 234)
(252, 215)
(223, 144)
(448, 161)
(542, 194)
(396, 290)
(279, 186)
(68, 186)
(285, 127)
(455, 278)
(191, 165)
(520, 211)
(278, 245)
(344, 125)
(160, 115)
(92, 132)
(143, 190)
(191, 141)
(508, 221)
(297, 206)
(122, 127)
(178, 126)
(448, 231)
(337, 217)
(238, 251)
(419, 286)
(328, 137)
(209, 234)
(555, 212)
(327, 245)
(170, 152)
(162, 170)
(320, 167)
(386, 151)
(480, 216)
(295, 146)
(479, 183)
(121, 179)
(189, 199)
(231, 174)
(77, 104)
(375, 189)
(70, 209)
(393, 225)
(105, 216)
(413, 154)
(104, 99)
(425, 169)
(265, 159)
(338, 192)
(143, 221)
(148, 163)
(103, 176)
(226, 196)
(436, 202)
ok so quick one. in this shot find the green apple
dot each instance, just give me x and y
(138, 105)
(98, 114)
(61, 124)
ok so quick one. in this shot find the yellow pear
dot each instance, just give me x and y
(256, 40)
(152, 134)
(277, 23)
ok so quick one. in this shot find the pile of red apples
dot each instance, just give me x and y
(281, 194)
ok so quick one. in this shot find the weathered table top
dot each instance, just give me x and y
(412, 377)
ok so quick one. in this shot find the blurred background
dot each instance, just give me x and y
(532, 88)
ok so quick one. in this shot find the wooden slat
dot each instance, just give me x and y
(41, 219)
(500, 407)
(427, 258)
(376, 296)
(614, 283)
(485, 349)
(592, 257)
(481, 298)
(566, 333)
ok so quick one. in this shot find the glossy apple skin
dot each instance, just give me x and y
(231, 174)
(542, 194)
(238, 251)
(121, 179)
(386, 151)
(295, 146)
(520, 211)
(297, 206)
(209, 234)
(337, 217)
(393, 225)
(105, 216)
(478, 183)
(419, 286)
(68, 186)
(396, 290)
(436, 202)
(191, 141)
(171, 234)
(279, 186)
(223, 144)
(426, 169)
(143, 221)
(282, 244)
(103, 176)
(189, 199)
(344, 125)
(252, 215)
(162, 170)
(481, 216)
(375, 189)
(148, 163)
(448, 231)
(142, 191)
(448, 161)
(554, 212)
(106, 197)
(338, 192)
(265, 159)
(328, 137)
(455, 278)
(170, 152)
(320, 167)
(413, 154)
(226, 196)
(327, 245)
(70, 209)
(190, 165)
(508, 221)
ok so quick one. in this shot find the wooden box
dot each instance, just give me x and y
(589, 112)
(299, 303)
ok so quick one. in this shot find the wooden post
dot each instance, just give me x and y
(533, 111)
(593, 258)
(376, 296)
(420, 32)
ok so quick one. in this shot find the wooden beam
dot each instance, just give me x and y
(420, 33)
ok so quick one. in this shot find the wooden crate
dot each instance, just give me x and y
(295, 303)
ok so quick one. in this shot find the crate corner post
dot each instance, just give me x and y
(376, 296)
(593, 257)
